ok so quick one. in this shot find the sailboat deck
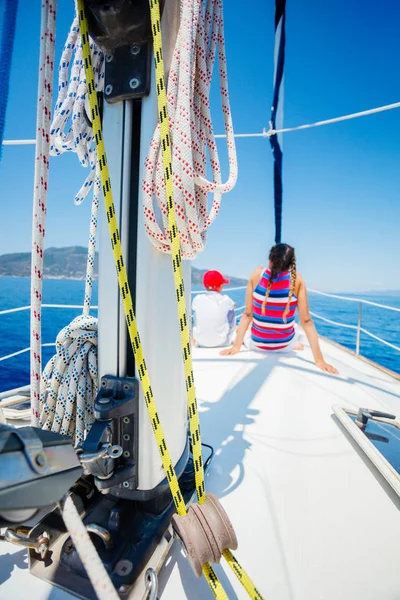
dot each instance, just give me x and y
(314, 519)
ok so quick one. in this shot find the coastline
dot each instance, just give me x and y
(48, 277)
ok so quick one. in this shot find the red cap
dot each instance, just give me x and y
(213, 280)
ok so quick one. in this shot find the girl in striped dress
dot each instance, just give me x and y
(272, 297)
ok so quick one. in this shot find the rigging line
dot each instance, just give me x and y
(356, 115)
(270, 132)
(363, 113)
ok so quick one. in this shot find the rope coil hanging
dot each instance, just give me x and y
(69, 382)
(70, 129)
(62, 396)
(200, 37)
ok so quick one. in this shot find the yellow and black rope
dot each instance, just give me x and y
(208, 572)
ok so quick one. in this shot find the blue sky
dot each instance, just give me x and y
(341, 182)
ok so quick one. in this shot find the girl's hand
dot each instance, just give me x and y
(230, 351)
(321, 364)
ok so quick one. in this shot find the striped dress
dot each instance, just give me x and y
(269, 331)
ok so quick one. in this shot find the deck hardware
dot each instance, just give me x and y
(205, 532)
(123, 567)
(102, 533)
(20, 537)
(151, 585)
(104, 400)
(32, 446)
(105, 451)
(110, 450)
(123, 31)
(364, 414)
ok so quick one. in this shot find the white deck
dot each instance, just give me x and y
(313, 518)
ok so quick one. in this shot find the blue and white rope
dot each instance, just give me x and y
(69, 381)
(70, 130)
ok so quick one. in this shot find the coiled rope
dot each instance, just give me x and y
(69, 382)
(201, 34)
(71, 131)
(63, 395)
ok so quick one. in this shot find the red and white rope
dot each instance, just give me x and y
(200, 35)
(97, 574)
(43, 120)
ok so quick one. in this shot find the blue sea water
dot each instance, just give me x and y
(15, 329)
(15, 332)
(380, 322)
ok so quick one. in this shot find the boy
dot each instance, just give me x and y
(214, 313)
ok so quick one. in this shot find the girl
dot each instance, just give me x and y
(272, 297)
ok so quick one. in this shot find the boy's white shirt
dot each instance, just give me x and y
(213, 319)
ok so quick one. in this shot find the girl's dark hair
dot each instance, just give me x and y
(282, 258)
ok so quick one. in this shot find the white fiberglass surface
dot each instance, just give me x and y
(310, 512)
(313, 518)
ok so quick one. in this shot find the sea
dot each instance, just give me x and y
(15, 333)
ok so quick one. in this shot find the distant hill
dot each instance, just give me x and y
(69, 263)
(59, 263)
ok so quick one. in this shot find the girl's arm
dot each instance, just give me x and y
(309, 328)
(247, 315)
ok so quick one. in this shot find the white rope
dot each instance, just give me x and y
(92, 243)
(201, 32)
(356, 115)
(22, 352)
(375, 337)
(24, 389)
(19, 142)
(349, 299)
(69, 381)
(270, 132)
(70, 131)
(265, 133)
(46, 67)
(8, 311)
(379, 339)
(333, 322)
(97, 574)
